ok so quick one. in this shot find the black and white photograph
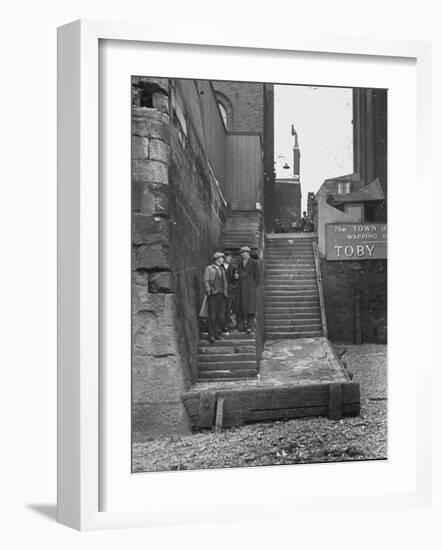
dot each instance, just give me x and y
(259, 274)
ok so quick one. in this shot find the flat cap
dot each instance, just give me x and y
(245, 249)
(218, 255)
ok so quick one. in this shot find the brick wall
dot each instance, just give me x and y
(351, 286)
(285, 196)
(177, 213)
(247, 101)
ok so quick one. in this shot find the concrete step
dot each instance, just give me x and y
(272, 291)
(282, 270)
(290, 310)
(313, 294)
(291, 299)
(291, 304)
(284, 279)
(232, 336)
(306, 314)
(214, 349)
(293, 286)
(293, 327)
(294, 334)
(289, 250)
(302, 316)
(225, 358)
(291, 307)
(288, 267)
(308, 245)
(299, 269)
(223, 375)
(226, 344)
(232, 365)
(289, 260)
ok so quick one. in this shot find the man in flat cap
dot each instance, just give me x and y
(248, 280)
(215, 286)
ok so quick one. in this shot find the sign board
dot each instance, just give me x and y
(356, 241)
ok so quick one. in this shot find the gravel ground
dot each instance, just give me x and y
(288, 442)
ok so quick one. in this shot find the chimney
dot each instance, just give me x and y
(296, 154)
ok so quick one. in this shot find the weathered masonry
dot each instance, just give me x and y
(190, 169)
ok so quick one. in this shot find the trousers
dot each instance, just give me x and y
(248, 320)
(215, 313)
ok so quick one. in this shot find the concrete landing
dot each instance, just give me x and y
(300, 361)
(298, 377)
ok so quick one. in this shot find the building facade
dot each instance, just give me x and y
(355, 288)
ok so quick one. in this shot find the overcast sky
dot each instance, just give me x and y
(322, 117)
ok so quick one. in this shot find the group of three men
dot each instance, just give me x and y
(231, 289)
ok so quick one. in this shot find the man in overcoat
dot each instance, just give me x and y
(215, 287)
(248, 280)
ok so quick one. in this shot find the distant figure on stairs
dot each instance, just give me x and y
(306, 223)
(215, 286)
(248, 280)
(295, 224)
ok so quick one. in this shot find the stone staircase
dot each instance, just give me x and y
(235, 356)
(232, 358)
(291, 305)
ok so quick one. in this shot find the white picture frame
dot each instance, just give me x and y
(79, 475)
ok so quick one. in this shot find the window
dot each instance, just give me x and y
(223, 113)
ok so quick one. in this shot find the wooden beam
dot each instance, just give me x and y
(206, 413)
(335, 401)
(219, 415)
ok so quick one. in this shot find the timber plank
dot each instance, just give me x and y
(206, 413)
(335, 401)
(284, 414)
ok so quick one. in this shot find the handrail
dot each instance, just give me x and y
(260, 326)
(321, 294)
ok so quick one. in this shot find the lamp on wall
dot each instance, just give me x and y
(286, 165)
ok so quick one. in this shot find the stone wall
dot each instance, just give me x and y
(355, 296)
(177, 213)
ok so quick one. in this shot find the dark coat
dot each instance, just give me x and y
(248, 281)
(230, 277)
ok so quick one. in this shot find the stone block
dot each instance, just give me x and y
(140, 147)
(140, 278)
(153, 171)
(159, 150)
(143, 81)
(150, 199)
(153, 199)
(140, 296)
(161, 102)
(162, 282)
(136, 93)
(150, 123)
(150, 229)
(156, 379)
(153, 257)
(153, 328)
(158, 419)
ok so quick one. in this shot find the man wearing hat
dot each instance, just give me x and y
(248, 280)
(215, 286)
